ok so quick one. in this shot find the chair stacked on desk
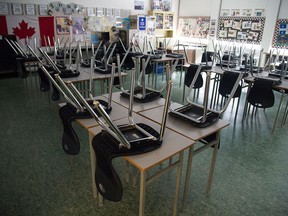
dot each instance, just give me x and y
(72, 110)
(203, 112)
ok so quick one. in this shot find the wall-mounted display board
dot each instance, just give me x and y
(194, 27)
(280, 39)
(163, 22)
(248, 29)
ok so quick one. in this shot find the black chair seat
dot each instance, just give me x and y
(107, 148)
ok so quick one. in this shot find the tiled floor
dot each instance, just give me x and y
(38, 178)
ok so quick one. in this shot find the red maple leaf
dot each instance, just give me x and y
(24, 31)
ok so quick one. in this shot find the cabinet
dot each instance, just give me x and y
(164, 22)
(7, 57)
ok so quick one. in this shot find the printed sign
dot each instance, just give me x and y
(142, 23)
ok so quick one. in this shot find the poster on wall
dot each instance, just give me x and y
(43, 9)
(164, 5)
(151, 25)
(4, 8)
(142, 23)
(280, 39)
(195, 27)
(17, 9)
(138, 5)
(259, 12)
(225, 12)
(247, 12)
(123, 23)
(78, 25)
(30, 9)
(212, 27)
(235, 12)
(62, 25)
(248, 29)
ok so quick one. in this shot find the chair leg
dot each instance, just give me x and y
(237, 107)
(277, 114)
(284, 115)
(183, 96)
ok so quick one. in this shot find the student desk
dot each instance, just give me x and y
(173, 144)
(197, 134)
(117, 112)
(137, 106)
(84, 78)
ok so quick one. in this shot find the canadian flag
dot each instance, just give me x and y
(27, 27)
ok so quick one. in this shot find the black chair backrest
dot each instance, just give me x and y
(207, 57)
(227, 82)
(128, 64)
(190, 74)
(261, 93)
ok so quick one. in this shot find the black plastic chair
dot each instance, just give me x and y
(261, 94)
(226, 85)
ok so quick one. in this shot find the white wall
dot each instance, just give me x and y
(195, 8)
(118, 4)
(271, 10)
(283, 12)
(212, 7)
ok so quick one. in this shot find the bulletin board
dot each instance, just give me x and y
(280, 39)
(192, 26)
(248, 29)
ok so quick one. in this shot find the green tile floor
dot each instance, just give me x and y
(37, 178)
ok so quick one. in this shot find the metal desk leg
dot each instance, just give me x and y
(277, 114)
(180, 82)
(93, 167)
(188, 173)
(212, 166)
(178, 180)
(142, 192)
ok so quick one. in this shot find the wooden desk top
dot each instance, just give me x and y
(264, 74)
(183, 127)
(117, 112)
(85, 75)
(164, 59)
(215, 69)
(137, 107)
(173, 143)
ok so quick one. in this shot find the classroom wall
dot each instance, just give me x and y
(118, 4)
(195, 8)
(283, 11)
(271, 10)
(212, 7)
